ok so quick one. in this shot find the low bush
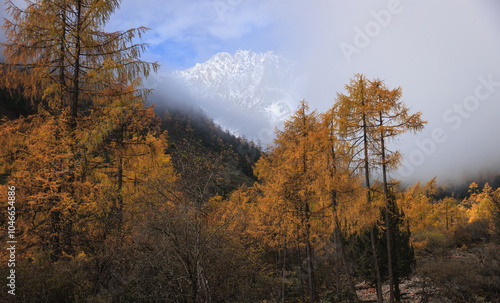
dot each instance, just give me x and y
(434, 242)
(471, 275)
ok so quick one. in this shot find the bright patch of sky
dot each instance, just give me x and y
(184, 33)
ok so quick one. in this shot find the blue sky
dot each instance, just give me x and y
(186, 32)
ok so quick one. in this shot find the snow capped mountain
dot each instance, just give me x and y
(257, 83)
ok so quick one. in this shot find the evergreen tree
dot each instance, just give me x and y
(90, 125)
(392, 120)
(356, 114)
(287, 175)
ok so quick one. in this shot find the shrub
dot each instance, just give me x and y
(473, 276)
(435, 242)
(478, 230)
(461, 237)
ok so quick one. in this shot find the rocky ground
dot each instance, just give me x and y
(412, 291)
(468, 274)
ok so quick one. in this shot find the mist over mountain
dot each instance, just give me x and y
(248, 93)
(251, 93)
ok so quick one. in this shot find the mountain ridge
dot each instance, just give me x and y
(260, 83)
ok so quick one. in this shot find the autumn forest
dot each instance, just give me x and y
(111, 199)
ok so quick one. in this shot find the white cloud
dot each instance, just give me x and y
(183, 20)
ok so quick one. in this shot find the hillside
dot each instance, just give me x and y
(245, 92)
(190, 130)
(183, 124)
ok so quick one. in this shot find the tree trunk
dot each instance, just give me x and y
(62, 57)
(55, 221)
(346, 265)
(339, 246)
(307, 211)
(283, 275)
(387, 215)
(337, 269)
(368, 197)
(380, 298)
(397, 290)
(119, 181)
(310, 270)
(300, 266)
(76, 73)
(119, 210)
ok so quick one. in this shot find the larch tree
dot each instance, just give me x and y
(290, 171)
(495, 211)
(356, 111)
(371, 115)
(274, 223)
(333, 161)
(423, 211)
(58, 53)
(448, 208)
(85, 84)
(392, 118)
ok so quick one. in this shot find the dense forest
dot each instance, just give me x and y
(110, 199)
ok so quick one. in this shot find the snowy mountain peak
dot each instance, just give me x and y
(260, 84)
(251, 80)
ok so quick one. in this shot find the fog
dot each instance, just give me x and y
(443, 54)
(168, 95)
